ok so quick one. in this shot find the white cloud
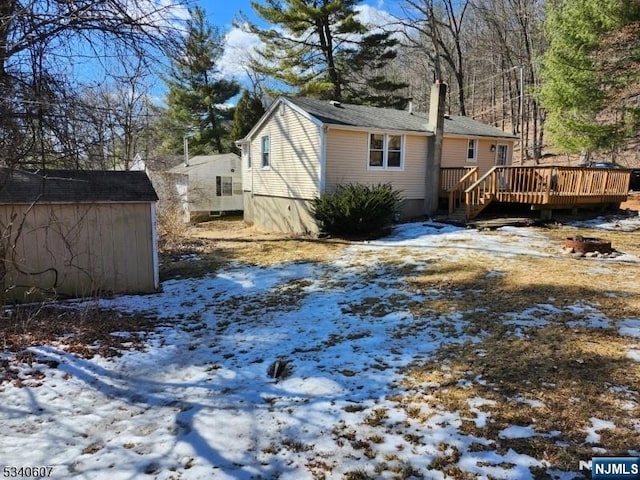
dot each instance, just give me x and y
(239, 46)
(374, 16)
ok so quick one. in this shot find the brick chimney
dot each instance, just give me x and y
(434, 145)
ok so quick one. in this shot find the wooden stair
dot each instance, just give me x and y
(458, 216)
(474, 209)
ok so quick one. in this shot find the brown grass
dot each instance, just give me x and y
(206, 247)
(578, 372)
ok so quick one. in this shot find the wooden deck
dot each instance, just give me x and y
(541, 187)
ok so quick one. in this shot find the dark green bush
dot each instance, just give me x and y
(356, 209)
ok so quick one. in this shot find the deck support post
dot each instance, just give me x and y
(546, 213)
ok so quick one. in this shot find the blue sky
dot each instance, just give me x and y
(223, 12)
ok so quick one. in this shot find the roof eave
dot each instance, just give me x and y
(475, 135)
(420, 133)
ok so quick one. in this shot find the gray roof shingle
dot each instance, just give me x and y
(62, 186)
(364, 116)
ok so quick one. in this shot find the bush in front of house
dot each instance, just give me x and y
(357, 210)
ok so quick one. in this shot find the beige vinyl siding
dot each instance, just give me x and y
(454, 153)
(348, 156)
(80, 249)
(294, 157)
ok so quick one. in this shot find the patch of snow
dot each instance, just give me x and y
(590, 317)
(517, 431)
(531, 402)
(629, 328)
(628, 224)
(597, 425)
(490, 465)
(634, 355)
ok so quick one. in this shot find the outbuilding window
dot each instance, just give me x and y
(224, 186)
(385, 151)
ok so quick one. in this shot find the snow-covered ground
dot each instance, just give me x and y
(198, 402)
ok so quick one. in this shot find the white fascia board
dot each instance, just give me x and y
(480, 137)
(379, 130)
(323, 159)
(271, 110)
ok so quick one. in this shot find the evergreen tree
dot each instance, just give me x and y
(321, 48)
(580, 93)
(197, 93)
(247, 113)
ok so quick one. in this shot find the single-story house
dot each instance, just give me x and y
(214, 185)
(304, 147)
(76, 233)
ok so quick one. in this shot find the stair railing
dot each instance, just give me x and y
(456, 194)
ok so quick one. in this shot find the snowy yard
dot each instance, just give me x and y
(437, 352)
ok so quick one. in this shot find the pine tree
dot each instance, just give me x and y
(247, 113)
(579, 92)
(320, 48)
(196, 91)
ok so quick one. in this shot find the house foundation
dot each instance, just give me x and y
(287, 215)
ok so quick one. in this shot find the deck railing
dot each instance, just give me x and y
(451, 176)
(554, 187)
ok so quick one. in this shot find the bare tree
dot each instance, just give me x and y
(439, 29)
(40, 43)
(514, 41)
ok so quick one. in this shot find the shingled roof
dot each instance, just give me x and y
(63, 186)
(364, 116)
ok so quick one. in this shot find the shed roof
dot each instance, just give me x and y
(62, 186)
(203, 161)
(344, 114)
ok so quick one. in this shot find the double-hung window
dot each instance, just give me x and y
(472, 150)
(265, 148)
(385, 151)
(246, 150)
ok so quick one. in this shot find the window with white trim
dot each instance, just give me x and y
(472, 150)
(246, 149)
(385, 151)
(265, 148)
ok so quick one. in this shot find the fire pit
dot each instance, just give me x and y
(588, 244)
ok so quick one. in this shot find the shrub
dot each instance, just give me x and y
(356, 209)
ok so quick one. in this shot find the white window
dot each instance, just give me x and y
(265, 151)
(385, 151)
(246, 149)
(472, 150)
(224, 186)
